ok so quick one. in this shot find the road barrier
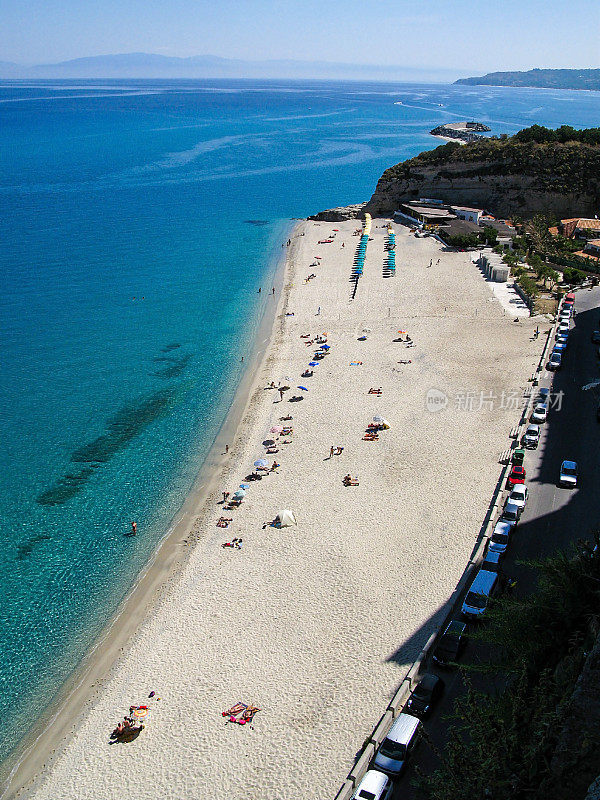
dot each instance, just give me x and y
(412, 677)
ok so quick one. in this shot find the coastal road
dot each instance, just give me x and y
(554, 518)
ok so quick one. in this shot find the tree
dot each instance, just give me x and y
(490, 235)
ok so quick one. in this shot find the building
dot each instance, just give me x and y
(492, 265)
(469, 214)
(423, 213)
(592, 248)
(578, 226)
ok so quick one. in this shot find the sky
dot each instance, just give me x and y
(466, 35)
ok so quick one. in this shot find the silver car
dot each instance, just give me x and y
(539, 413)
(500, 537)
(531, 437)
(568, 474)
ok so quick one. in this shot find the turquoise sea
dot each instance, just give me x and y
(137, 221)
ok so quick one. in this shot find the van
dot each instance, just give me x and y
(480, 591)
(398, 745)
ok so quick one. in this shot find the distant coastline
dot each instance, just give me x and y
(577, 79)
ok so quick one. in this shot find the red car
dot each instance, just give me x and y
(517, 475)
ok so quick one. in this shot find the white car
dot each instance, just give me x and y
(519, 495)
(531, 437)
(562, 330)
(374, 786)
(539, 413)
(568, 474)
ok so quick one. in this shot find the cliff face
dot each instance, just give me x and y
(506, 177)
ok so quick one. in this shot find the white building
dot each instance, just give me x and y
(470, 214)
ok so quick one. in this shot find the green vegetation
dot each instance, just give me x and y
(564, 162)
(542, 78)
(507, 745)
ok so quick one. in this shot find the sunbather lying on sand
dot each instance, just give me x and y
(236, 543)
(375, 391)
(348, 480)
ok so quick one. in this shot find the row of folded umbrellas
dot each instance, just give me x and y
(359, 259)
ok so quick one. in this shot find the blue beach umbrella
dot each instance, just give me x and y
(325, 347)
(313, 364)
(304, 389)
(244, 485)
(262, 462)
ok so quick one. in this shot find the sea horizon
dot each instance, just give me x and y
(138, 229)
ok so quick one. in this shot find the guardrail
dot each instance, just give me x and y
(412, 677)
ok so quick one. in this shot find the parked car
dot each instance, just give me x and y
(500, 537)
(562, 339)
(515, 476)
(559, 347)
(543, 395)
(539, 413)
(555, 361)
(491, 561)
(374, 786)
(518, 496)
(562, 329)
(596, 337)
(426, 695)
(511, 513)
(450, 644)
(396, 748)
(568, 474)
(531, 437)
(518, 456)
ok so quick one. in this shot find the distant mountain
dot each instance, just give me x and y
(541, 79)
(149, 65)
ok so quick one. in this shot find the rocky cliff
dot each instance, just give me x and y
(507, 176)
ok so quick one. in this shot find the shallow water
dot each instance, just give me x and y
(138, 221)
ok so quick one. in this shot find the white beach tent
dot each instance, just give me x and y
(286, 518)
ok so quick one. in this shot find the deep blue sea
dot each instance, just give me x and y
(137, 221)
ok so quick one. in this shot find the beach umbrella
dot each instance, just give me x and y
(140, 713)
(262, 462)
(276, 429)
(304, 389)
(325, 347)
(239, 494)
(244, 485)
(313, 364)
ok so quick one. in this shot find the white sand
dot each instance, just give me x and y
(317, 624)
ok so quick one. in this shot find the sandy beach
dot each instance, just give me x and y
(316, 624)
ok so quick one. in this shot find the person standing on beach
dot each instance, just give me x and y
(331, 449)
(273, 291)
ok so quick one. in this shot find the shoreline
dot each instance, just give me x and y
(22, 768)
(286, 622)
(447, 138)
